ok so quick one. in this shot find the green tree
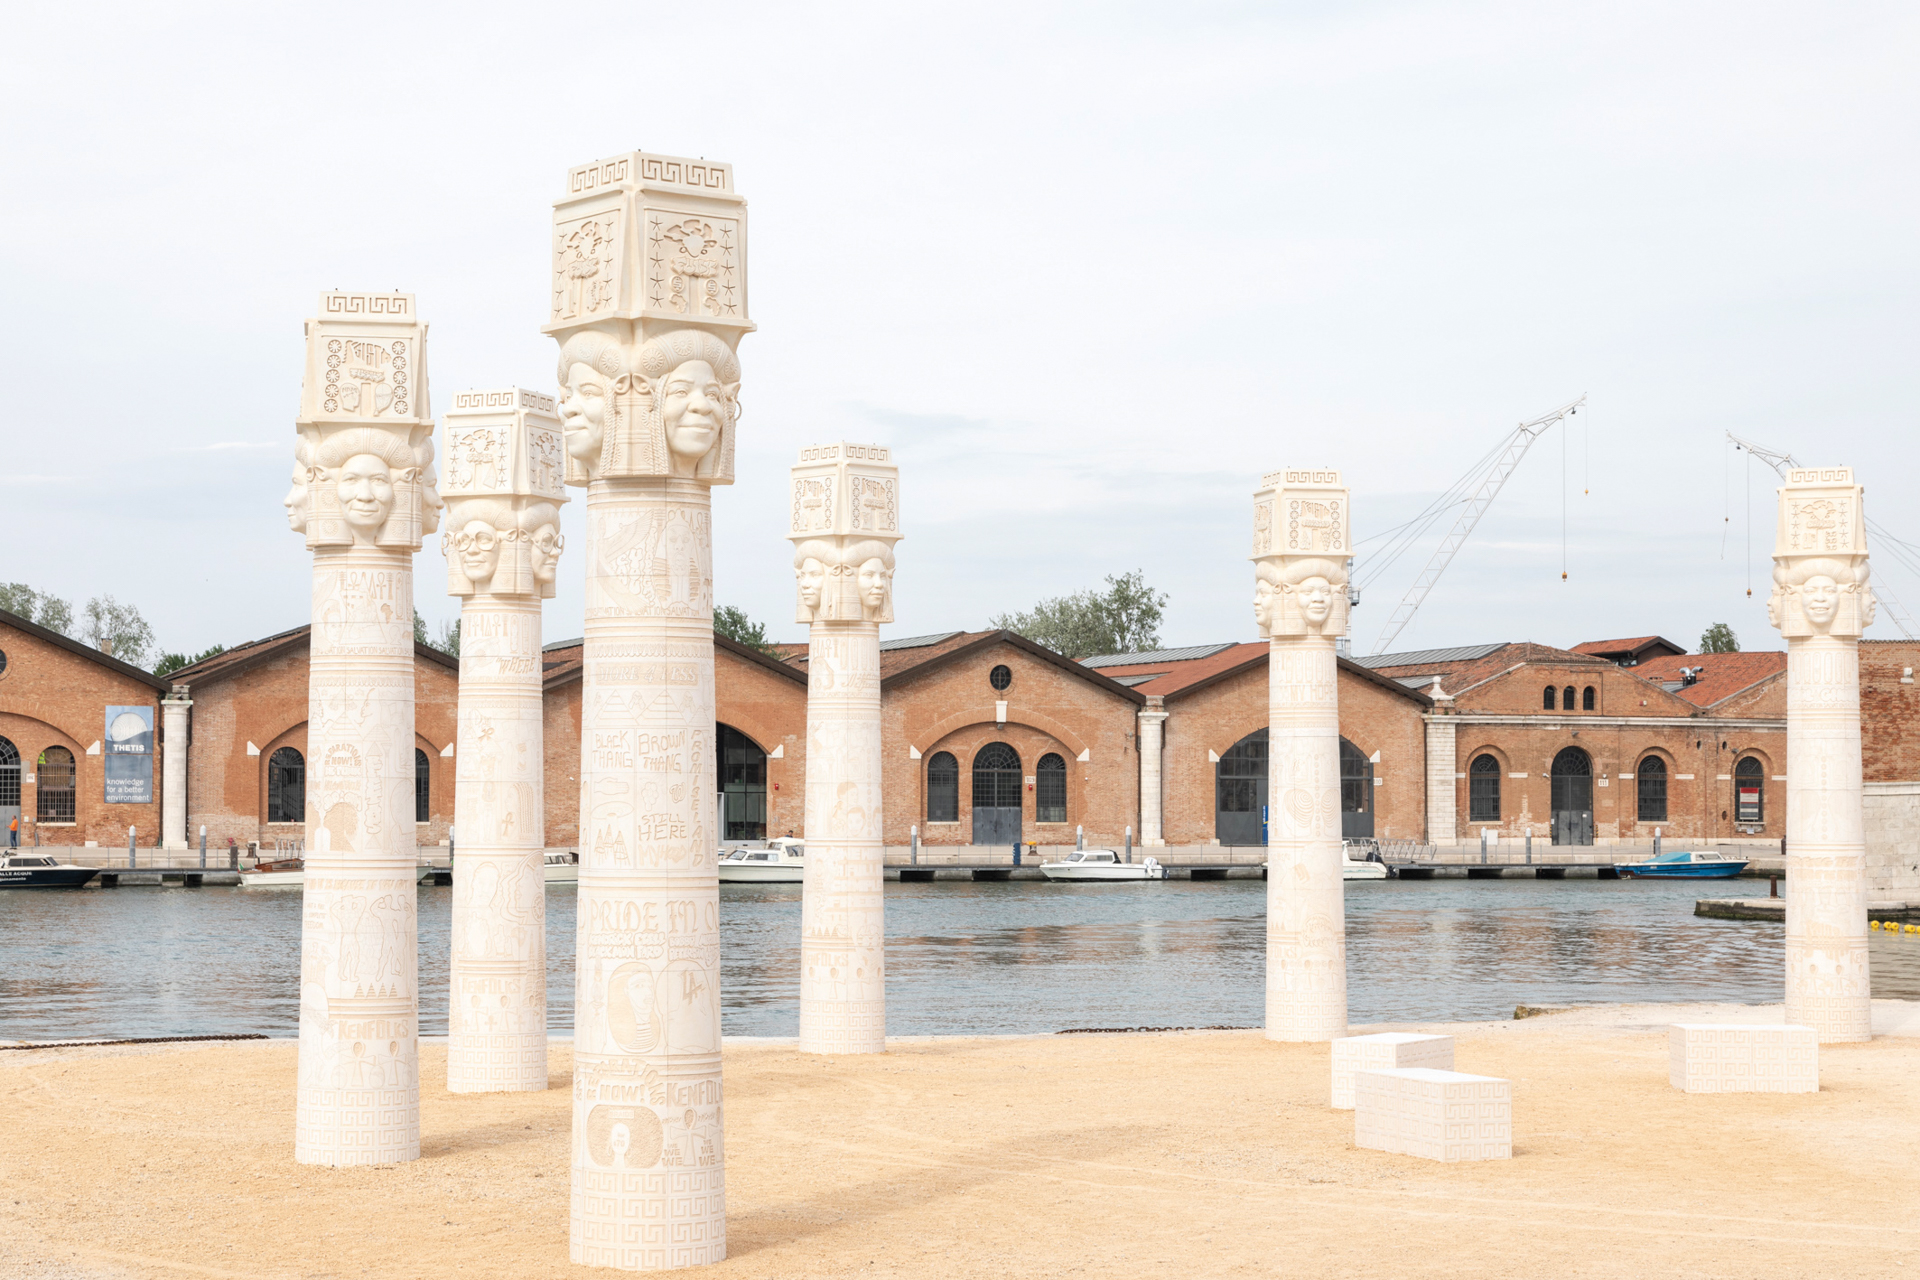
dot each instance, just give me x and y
(117, 630)
(736, 626)
(420, 629)
(49, 611)
(449, 641)
(172, 662)
(1123, 619)
(1719, 638)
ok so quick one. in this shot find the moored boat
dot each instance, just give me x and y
(1102, 864)
(1683, 864)
(285, 873)
(563, 867)
(783, 861)
(20, 870)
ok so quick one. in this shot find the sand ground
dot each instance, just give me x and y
(1200, 1154)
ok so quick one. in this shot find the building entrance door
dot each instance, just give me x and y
(1240, 792)
(1356, 793)
(1572, 787)
(9, 791)
(996, 795)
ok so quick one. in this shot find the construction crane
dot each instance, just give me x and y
(1780, 462)
(1476, 490)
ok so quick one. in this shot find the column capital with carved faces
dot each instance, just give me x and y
(363, 461)
(504, 487)
(844, 519)
(1302, 544)
(1820, 570)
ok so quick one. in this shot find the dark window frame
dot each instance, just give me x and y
(278, 764)
(1483, 789)
(1566, 698)
(52, 802)
(1238, 775)
(1751, 767)
(9, 773)
(1050, 788)
(1356, 779)
(1588, 696)
(422, 786)
(991, 774)
(1650, 790)
(742, 779)
(1547, 698)
(943, 787)
(1001, 678)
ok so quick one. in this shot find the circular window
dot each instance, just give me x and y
(1000, 678)
(3, 662)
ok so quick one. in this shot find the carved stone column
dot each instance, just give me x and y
(366, 450)
(1152, 720)
(1443, 788)
(502, 542)
(1300, 553)
(1821, 603)
(844, 522)
(649, 304)
(175, 712)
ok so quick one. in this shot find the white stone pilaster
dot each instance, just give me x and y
(844, 522)
(1821, 603)
(648, 303)
(1443, 788)
(364, 494)
(1152, 720)
(1300, 550)
(175, 716)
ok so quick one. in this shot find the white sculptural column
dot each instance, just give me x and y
(366, 445)
(844, 522)
(1300, 551)
(648, 304)
(1152, 720)
(503, 488)
(1821, 603)
(175, 710)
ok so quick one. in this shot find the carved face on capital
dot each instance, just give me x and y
(479, 548)
(1316, 600)
(366, 493)
(1263, 604)
(875, 582)
(546, 553)
(693, 406)
(296, 500)
(1820, 596)
(813, 576)
(583, 413)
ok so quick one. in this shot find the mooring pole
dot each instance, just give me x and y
(914, 856)
(130, 859)
(1129, 844)
(203, 846)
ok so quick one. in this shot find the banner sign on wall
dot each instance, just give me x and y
(128, 747)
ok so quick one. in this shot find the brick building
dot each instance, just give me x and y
(58, 737)
(246, 765)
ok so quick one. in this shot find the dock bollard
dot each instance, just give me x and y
(130, 859)
(203, 846)
(915, 856)
(1529, 847)
(1656, 844)
(1079, 837)
(1129, 844)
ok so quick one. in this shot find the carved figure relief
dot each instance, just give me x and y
(586, 266)
(691, 265)
(367, 378)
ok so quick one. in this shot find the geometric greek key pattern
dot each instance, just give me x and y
(1436, 1115)
(1730, 1058)
(1385, 1052)
(652, 1221)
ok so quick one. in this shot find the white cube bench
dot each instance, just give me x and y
(1384, 1052)
(1436, 1115)
(1724, 1057)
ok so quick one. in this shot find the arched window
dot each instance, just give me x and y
(1749, 792)
(1240, 792)
(1546, 698)
(9, 776)
(1050, 788)
(1566, 699)
(996, 794)
(55, 785)
(943, 787)
(743, 786)
(1483, 790)
(286, 786)
(1356, 792)
(1586, 698)
(420, 785)
(1650, 780)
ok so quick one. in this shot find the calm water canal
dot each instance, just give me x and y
(961, 957)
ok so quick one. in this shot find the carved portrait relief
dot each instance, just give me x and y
(1821, 595)
(299, 496)
(373, 491)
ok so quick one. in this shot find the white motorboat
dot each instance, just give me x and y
(286, 873)
(1102, 864)
(783, 861)
(1351, 868)
(563, 867)
(24, 869)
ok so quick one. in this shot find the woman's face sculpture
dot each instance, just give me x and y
(583, 413)
(692, 405)
(813, 575)
(1820, 595)
(874, 583)
(1316, 600)
(296, 500)
(479, 548)
(546, 553)
(1263, 604)
(366, 493)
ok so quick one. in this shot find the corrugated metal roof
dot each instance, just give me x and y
(574, 643)
(1130, 681)
(1421, 657)
(916, 642)
(1187, 654)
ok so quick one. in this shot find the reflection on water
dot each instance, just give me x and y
(961, 957)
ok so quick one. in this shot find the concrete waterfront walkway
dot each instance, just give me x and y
(1170, 1155)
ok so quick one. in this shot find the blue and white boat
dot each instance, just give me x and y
(1684, 865)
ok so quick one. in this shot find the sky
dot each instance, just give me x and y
(1090, 270)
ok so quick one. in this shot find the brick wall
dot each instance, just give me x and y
(1889, 710)
(560, 727)
(53, 697)
(771, 708)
